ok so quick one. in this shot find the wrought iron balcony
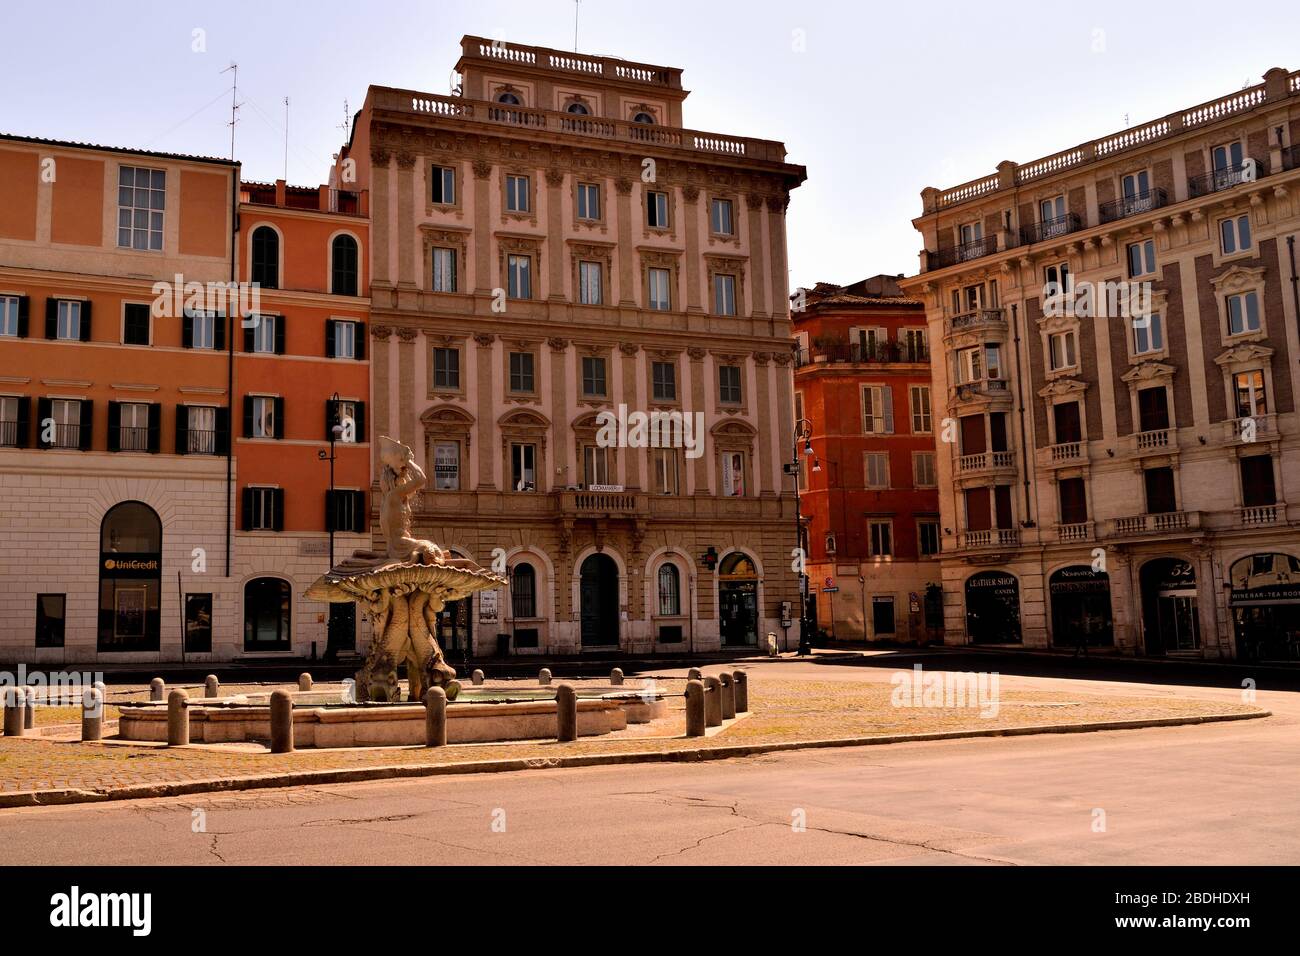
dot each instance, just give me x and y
(884, 352)
(9, 434)
(1050, 229)
(1227, 177)
(1132, 205)
(976, 249)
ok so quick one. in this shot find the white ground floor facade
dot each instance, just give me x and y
(1231, 595)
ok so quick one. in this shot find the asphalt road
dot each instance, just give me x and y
(1216, 794)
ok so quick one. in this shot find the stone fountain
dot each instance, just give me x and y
(402, 589)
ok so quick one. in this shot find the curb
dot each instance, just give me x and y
(39, 798)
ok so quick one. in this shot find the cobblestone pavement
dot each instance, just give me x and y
(788, 703)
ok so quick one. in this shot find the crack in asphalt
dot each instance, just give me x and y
(212, 848)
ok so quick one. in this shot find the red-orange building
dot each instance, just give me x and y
(868, 496)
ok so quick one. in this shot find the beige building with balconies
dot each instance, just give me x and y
(550, 244)
(1119, 366)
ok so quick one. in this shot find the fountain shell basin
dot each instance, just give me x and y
(321, 720)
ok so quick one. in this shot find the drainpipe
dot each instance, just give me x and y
(230, 366)
(1020, 399)
(1295, 295)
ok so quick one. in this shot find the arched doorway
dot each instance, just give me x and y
(598, 597)
(1080, 607)
(1170, 618)
(1265, 605)
(993, 608)
(738, 600)
(130, 578)
(268, 605)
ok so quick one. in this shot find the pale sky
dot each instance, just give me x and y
(880, 101)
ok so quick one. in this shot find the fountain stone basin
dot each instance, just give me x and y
(320, 719)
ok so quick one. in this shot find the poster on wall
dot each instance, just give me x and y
(487, 605)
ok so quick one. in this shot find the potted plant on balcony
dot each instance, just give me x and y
(825, 346)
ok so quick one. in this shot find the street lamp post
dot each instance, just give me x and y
(336, 432)
(802, 434)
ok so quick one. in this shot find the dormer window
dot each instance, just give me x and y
(645, 118)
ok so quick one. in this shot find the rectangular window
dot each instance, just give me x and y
(970, 365)
(51, 616)
(1234, 234)
(519, 278)
(1159, 484)
(594, 383)
(198, 623)
(11, 423)
(1243, 313)
(263, 506)
(923, 469)
(876, 468)
(914, 345)
(444, 270)
(970, 232)
(664, 381)
(68, 325)
(1073, 501)
(589, 292)
(9, 306)
(135, 324)
(724, 295)
(443, 182)
(264, 334)
(1136, 185)
(345, 339)
(1153, 408)
(595, 465)
(919, 396)
(660, 295)
(521, 372)
(1069, 428)
(200, 429)
(1257, 487)
(345, 510)
(523, 474)
(1148, 334)
(66, 413)
(1142, 258)
(882, 538)
(446, 368)
(733, 474)
(927, 533)
(729, 384)
(1056, 279)
(133, 428)
(882, 614)
(203, 334)
(664, 461)
(720, 217)
(446, 466)
(517, 193)
(1062, 350)
(877, 410)
(1249, 389)
(656, 210)
(141, 201)
(588, 201)
(263, 416)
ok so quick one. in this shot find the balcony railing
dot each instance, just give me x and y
(64, 436)
(994, 538)
(1154, 440)
(200, 441)
(133, 438)
(993, 387)
(1132, 205)
(8, 434)
(1250, 429)
(1256, 515)
(982, 460)
(884, 352)
(975, 249)
(1077, 531)
(1049, 229)
(1227, 177)
(596, 503)
(1066, 451)
(977, 319)
(1160, 523)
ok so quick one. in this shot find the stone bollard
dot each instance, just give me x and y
(100, 686)
(544, 676)
(304, 681)
(476, 678)
(281, 722)
(435, 717)
(616, 676)
(15, 707)
(728, 696)
(694, 674)
(742, 691)
(29, 709)
(712, 702)
(92, 716)
(566, 713)
(157, 689)
(694, 708)
(212, 686)
(178, 719)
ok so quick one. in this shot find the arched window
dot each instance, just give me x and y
(130, 528)
(579, 109)
(343, 280)
(644, 118)
(267, 611)
(130, 578)
(509, 99)
(523, 591)
(738, 565)
(266, 258)
(670, 591)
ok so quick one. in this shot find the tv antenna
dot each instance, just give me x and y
(347, 119)
(286, 139)
(234, 104)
